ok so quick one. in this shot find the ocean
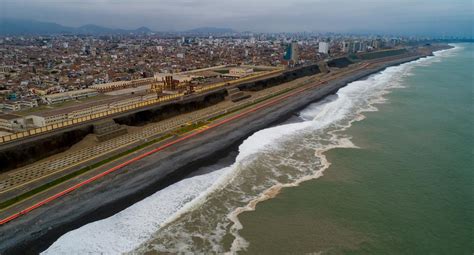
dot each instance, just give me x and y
(384, 166)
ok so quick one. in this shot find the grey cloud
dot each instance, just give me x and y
(402, 16)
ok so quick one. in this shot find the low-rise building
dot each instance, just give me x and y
(240, 71)
(323, 48)
(12, 123)
(70, 95)
(112, 86)
(41, 119)
(182, 78)
(50, 117)
(28, 103)
(12, 106)
(82, 93)
(18, 105)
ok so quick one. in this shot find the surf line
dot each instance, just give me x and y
(122, 165)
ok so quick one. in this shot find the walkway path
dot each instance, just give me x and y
(31, 173)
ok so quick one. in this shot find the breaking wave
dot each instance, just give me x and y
(200, 214)
(127, 229)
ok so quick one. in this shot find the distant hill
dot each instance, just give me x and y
(11, 26)
(143, 30)
(32, 27)
(22, 27)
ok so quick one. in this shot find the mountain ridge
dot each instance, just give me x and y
(12, 26)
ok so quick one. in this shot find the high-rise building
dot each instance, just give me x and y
(356, 46)
(345, 46)
(291, 53)
(323, 47)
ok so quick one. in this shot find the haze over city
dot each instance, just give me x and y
(404, 17)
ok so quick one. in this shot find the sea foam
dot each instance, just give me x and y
(133, 226)
(127, 229)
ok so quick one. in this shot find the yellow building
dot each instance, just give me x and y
(111, 86)
(240, 71)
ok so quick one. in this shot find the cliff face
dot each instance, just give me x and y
(167, 111)
(283, 78)
(130, 186)
(27, 152)
(339, 62)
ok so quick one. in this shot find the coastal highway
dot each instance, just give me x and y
(26, 178)
(185, 137)
(71, 206)
(161, 102)
(137, 158)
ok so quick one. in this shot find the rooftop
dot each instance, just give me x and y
(9, 116)
(65, 110)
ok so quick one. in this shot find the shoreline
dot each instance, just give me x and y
(356, 174)
(44, 229)
(240, 243)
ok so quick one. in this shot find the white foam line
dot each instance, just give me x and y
(131, 227)
(239, 243)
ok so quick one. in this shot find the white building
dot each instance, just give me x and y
(119, 85)
(12, 123)
(323, 47)
(345, 46)
(70, 95)
(12, 106)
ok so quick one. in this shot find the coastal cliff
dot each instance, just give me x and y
(24, 152)
(118, 191)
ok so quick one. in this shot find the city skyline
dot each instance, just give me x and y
(425, 18)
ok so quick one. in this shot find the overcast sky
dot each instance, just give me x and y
(437, 17)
